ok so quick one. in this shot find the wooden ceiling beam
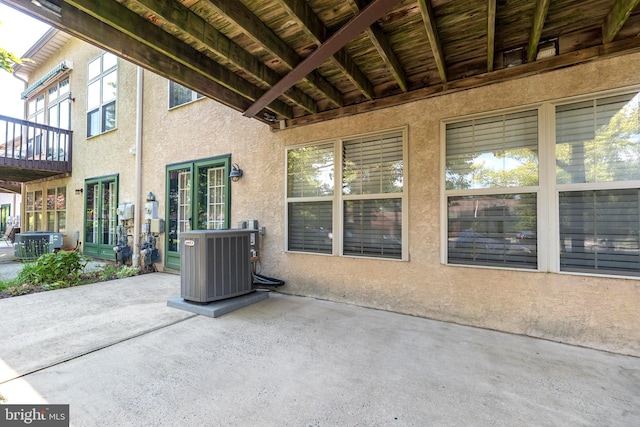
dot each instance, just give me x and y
(238, 14)
(382, 45)
(182, 20)
(615, 19)
(93, 31)
(540, 15)
(130, 23)
(368, 15)
(429, 19)
(594, 53)
(491, 33)
(317, 31)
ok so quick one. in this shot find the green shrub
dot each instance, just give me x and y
(126, 271)
(54, 269)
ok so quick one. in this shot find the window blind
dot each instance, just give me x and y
(373, 165)
(598, 140)
(373, 228)
(310, 171)
(600, 231)
(499, 143)
(310, 227)
(496, 230)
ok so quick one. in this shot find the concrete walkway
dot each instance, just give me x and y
(120, 357)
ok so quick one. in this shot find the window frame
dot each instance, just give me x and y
(101, 109)
(195, 96)
(338, 198)
(548, 209)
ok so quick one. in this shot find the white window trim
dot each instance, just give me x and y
(547, 191)
(338, 197)
(103, 73)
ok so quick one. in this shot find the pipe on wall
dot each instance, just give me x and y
(137, 218)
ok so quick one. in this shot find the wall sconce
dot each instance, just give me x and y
(79, 191)
(236, 173)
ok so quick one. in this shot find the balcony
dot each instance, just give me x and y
(31, 151)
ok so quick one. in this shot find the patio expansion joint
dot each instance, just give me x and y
(98, 348)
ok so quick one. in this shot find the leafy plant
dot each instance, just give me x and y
(126, 271)
(54, 269)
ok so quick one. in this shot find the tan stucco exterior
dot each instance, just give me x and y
(598, 312)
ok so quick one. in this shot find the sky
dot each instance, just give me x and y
(18, 33)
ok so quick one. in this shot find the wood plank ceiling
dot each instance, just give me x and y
(294, 62)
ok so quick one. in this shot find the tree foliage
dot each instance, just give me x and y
(8, 60)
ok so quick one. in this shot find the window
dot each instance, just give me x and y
(102, 92)
(369, 204)
(33, 210)
(57, 209)
(179, 95)
(590, 205)
(491, 182)
(598, 175)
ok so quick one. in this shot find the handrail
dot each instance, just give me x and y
(34, 145)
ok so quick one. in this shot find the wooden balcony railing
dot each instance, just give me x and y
(30, 151)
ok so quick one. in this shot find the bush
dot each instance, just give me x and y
(54, 269)
(126, 271)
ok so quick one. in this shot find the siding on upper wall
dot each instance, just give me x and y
(596, 312)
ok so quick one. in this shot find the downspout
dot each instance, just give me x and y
(135, 259)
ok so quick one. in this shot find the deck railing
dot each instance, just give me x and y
(33, 145)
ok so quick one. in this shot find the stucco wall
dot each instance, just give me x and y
(597, 312)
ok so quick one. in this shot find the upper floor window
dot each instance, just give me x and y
(179, 95)
(102, 90)
(366, 216)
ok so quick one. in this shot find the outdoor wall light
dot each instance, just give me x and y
(236, 173)
(79, 191)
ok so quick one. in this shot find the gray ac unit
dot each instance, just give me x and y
(32, 244)
(215, 264)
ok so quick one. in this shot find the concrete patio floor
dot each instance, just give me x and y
(119, 356)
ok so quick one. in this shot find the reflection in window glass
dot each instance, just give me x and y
(373, 228)
(496, 230)
(598, 140)
(600, 231)
(310, 227)
(310, 171)
(493, 152)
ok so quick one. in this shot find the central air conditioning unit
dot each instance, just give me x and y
(215, 264)
(32, 244)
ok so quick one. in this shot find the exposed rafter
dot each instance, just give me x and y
(183, 21)
(615, 19)
(380, 41)
(429, 19)
(80, 24)
(316, 30)
(129, 23)
(491, 33)
(351, 29)
(540, 15)
(256, 30)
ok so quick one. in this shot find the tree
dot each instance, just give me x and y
(8, 60)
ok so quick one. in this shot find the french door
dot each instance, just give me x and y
(101, 202)
(198, 199)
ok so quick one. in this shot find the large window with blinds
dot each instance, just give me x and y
(587, 206)
(492, 190)
(347, 197)
(598, 180)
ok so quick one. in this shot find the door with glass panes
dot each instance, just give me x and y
(198, 199)
(101, 202)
